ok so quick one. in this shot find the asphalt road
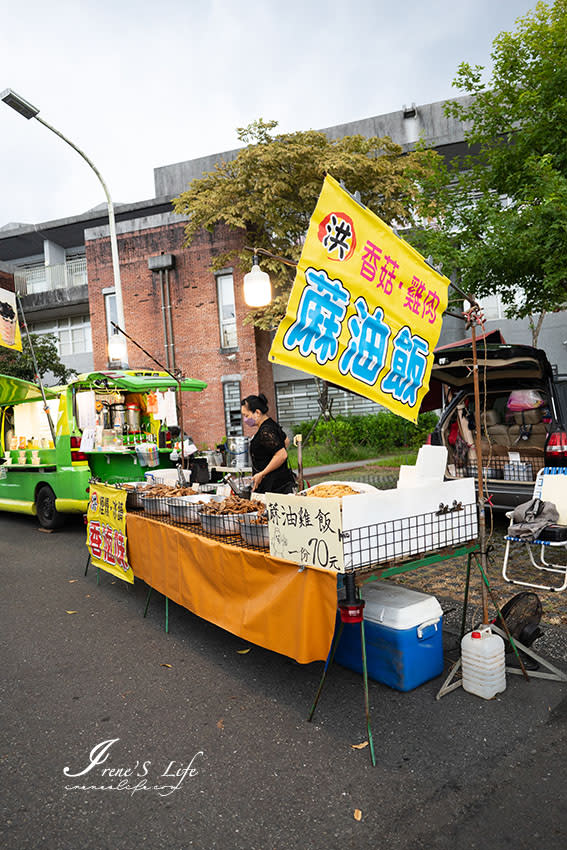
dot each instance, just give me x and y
(198, 745)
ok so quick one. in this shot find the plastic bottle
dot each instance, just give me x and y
(161, 435)
(483, 662)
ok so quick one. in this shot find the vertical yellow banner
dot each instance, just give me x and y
(106, 531)
(10, 336)
(365, 311)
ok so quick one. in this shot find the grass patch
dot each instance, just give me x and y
(322, 455)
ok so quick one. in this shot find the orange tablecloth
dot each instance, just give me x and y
(264, 600)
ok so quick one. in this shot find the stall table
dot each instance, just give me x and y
(265, 600)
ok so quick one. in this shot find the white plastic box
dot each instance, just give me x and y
(403, 636)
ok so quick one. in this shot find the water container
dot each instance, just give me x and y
(483, 662)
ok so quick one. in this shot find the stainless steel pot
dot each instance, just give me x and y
(133, 417)
(212, 458)
(118, 415)
(238, 452)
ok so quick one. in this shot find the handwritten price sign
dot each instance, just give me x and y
(306, 530)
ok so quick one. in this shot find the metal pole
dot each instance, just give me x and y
(37, 375)
(111, 224)
(478, 447)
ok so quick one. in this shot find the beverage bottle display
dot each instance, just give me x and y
(124, 435)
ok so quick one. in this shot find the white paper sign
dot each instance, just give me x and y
(88, 440)
(305, 530)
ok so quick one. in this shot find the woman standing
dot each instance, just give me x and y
(268, 448)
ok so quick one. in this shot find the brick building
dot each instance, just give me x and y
(183, 314)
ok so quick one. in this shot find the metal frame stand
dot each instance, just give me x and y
(166, 608)
(97, 569)
(351, 611)
(554, 673)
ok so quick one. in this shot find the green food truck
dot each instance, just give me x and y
(106, 425)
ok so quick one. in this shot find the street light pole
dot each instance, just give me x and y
(23, 107)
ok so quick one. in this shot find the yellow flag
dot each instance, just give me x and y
(365, 310)
(10, 336)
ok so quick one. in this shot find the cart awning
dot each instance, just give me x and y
(137, 381)
(15, 391)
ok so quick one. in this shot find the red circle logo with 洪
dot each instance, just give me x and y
(336, 234)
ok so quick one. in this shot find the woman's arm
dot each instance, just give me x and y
(278, 459)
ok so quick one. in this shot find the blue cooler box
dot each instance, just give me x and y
(403, 632)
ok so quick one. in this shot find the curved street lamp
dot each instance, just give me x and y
(28, 110)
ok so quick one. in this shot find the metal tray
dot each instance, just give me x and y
(220, 523)
(188, 508)
(155, 505)
(133, 497)
(254, 535)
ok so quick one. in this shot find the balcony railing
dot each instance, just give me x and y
(48, 278)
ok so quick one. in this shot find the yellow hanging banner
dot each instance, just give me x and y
(10, 336)
(365, 310)
(106, 531)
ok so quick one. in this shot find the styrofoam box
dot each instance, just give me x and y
(403, 635)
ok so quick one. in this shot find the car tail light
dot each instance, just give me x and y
(556, 448)
(428, 440)
(75, 453)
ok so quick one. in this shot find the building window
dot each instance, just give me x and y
(110, 312)
(297, 401)
(232, 413)
(73, 334)
(227, 311)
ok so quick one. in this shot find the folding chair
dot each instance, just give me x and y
(550, 486)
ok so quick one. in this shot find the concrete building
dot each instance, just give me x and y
(185, 315)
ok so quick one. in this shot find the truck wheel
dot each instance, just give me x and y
(47, 514)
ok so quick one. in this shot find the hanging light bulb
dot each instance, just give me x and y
(257, 287)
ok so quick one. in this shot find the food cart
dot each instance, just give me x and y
(108, 425)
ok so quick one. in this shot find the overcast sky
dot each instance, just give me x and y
(137, 84)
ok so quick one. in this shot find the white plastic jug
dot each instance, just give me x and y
(483, 663)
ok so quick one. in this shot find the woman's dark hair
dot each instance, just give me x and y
(255, 402)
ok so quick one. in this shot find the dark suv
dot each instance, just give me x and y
(523, 414)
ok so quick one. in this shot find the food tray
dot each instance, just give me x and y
(133, 497)
(187, 508)
(220, 523)
(254, 535)
(155, 505)
(359, 486)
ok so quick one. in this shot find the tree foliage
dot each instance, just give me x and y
(501, 218)
(271, 188)
(19, 364)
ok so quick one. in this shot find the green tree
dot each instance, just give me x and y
(269, 192)
(501, 218)
(19, 364)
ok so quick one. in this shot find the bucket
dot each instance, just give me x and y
(483, 662)
(238, 452)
